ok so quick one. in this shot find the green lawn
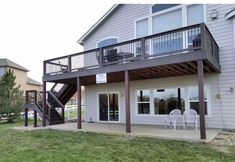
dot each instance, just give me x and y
(50, 145)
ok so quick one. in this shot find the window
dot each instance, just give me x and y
(167, 21)
(110, 54)
(166, 100)
(107, 42)
(142, 28)
(141, 31)
(194, 99)
(195, 14)
(160, 7)
(2, 71)
(143, 101)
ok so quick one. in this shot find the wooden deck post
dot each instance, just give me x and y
(79, 111)
(44, 105)
(35, 119)
(26, 110)
(127, 100)
(201, 98)
(26, 117)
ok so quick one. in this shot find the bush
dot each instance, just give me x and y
(11, 97)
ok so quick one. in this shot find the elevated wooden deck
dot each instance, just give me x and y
(172, 53)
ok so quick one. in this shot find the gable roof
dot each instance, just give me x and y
(230, 14)
(33, 82)
(99, 22)
(8, 63)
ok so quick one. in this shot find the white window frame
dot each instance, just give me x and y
(98, 107)
(186, 99)
(168, 88)
(150, 102)
(100, 40)
(183, 7)
(208, 99)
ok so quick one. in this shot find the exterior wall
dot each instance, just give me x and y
(91, 94)
(121, 25)
(222, 31)
(21, 79)
(33, 87)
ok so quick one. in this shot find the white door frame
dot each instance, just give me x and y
(98, 107)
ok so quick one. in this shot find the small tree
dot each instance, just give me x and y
(11, 97)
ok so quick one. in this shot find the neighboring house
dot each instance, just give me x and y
(169, 54)
(25, 82)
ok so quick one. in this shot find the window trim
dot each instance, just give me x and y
(151, 15)
(208, 99)
(150, 102)
(98, 107)
(186, 99)
(105, 38)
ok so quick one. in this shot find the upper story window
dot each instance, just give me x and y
(160, 7)
(107, 42)
(2, 71)
(167, 21)
(165, 17)
(142, 28)
(195, 14)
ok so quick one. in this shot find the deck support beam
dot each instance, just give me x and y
(200, 76)
(26, 117)
(44, 105)
(127, 100)
(79, 104)
(35, 119)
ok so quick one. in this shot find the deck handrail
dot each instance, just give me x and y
(101, 53)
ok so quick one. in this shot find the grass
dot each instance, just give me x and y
(51, 145)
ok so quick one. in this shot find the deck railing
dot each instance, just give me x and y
(178, 41)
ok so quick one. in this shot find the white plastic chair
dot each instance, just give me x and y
(190, 116)
(172, 118)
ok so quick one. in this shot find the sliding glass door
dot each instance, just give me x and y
(108, 107)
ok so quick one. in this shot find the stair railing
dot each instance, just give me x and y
(58, 102)
(48, 105)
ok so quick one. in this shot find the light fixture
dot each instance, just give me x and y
(214, 14)
(231, 89)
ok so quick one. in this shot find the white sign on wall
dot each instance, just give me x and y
(101, 78)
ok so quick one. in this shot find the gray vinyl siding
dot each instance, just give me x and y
(223, 109)
(121, 25)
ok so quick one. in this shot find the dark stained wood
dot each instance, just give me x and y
(147, 63)
(26, 117)
(186, 55)
(35, 118)
(79, 111)
(26, 110)
(69, 63)
(127, 101)
(189, 68)
(44, 105)
(177, 69)
(201, 99)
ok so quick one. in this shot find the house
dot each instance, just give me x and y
(151, 59)
(25, 82)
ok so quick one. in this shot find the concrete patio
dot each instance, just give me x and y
(156, 131)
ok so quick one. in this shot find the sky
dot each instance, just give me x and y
(31, 32)
(35, 30)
